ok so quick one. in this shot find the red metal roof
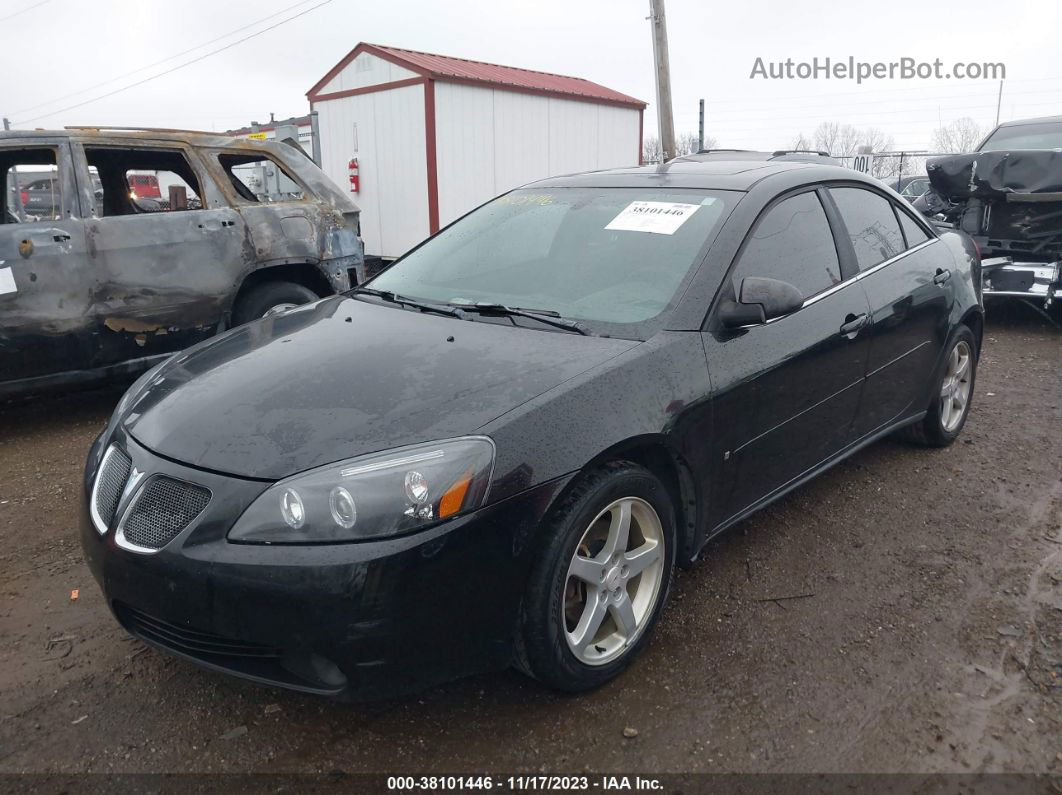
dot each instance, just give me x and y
(462, 70)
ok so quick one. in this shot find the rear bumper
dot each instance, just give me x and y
(1003, 277)
(356, 620)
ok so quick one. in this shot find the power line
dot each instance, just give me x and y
(175, 68)
(159, 62)
(24, 10)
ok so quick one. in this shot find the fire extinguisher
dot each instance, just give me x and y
(355, 185)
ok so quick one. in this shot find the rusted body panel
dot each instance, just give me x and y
(90, 292)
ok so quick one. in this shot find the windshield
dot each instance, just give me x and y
(616, 256)
(1042, 135)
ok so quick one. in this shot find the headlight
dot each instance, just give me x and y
(372, 496)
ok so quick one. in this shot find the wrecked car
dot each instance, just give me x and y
(120, 247)
(1007, 196)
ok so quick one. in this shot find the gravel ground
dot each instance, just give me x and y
(901, 613)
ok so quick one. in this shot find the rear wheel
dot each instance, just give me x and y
(270, 298)
(602, 581)
(947, 413)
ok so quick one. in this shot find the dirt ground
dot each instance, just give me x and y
(901, 613)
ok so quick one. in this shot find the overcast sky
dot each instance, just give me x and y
(57, 53)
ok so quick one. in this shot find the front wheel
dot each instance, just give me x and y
(602, 580)
(270, 298)
(951, 399)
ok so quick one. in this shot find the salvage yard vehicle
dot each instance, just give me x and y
(1008, 196)
(101, 273)
(497, 449)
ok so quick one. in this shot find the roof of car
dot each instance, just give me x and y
(194, 137)
(1038, 120)
(738, 175)
(796, 155)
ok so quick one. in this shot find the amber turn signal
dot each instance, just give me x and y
(454, 497)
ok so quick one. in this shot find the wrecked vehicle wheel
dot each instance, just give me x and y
(950, 404)
(269, 299)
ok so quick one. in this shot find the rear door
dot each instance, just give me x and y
(904, 271)
(279, 210)
(786, 392)
(47, 325)
(168, 263)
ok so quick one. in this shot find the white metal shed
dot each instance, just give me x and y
(436, 136)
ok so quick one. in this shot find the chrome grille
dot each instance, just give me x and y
(161, 511)
(109, 484)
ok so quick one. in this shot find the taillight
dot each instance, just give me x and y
(25, 198)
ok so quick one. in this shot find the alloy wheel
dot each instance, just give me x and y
(613, 581)
(955, 390)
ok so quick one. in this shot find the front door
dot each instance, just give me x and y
(47, 325)
(786, 391)
(168, 251)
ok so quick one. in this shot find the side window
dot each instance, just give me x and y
(31, 185)
(872, 225)
(912, 232)
(259, 179)
(136, 181)
(915, 188)
(792, 242)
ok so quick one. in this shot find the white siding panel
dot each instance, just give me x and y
(391, 158)
(464, 135)
(490, 141)
(521, 139)
(366, 70)
(618, 144)
(572, 136)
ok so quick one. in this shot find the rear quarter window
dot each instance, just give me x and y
(912, 232)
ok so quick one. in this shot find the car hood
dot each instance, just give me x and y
(342, 377)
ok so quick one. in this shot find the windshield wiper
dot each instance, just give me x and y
(547, 316)
(424, 306)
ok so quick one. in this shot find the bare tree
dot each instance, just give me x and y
(962, 135)
(687, 143)
(651, 150)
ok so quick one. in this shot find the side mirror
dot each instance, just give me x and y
(759, 300)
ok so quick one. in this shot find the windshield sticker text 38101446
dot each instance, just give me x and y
(661, 218)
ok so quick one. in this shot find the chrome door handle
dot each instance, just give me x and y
(853, 324)
(942, 276)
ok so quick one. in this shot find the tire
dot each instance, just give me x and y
(261, 298)
(557, 602)
(939, 428)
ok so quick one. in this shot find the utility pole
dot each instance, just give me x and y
(665, 118)
(999, 101)
(7, 123)
(700, 129)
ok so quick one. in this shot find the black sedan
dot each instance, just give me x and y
(496, 451)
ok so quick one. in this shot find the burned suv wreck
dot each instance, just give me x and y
(1008, 197)
(118, 248)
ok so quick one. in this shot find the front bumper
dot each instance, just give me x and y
(1003, 277)
(352, 620)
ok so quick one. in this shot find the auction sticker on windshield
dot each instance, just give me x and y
(661, 218)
